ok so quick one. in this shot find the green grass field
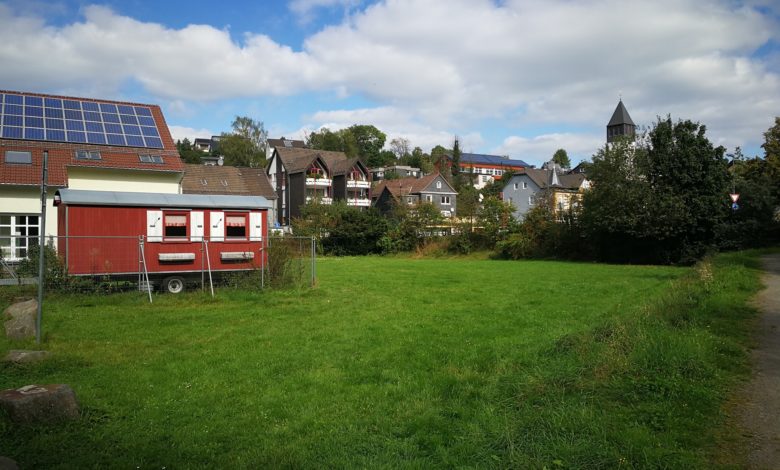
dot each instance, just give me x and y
(395, 362)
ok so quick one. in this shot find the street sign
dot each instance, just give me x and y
(734, 197)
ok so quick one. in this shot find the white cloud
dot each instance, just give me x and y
(539, 149)
(182, 132)
(439, 67)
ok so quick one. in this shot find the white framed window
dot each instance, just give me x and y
(88, 155)
(438, 185)
(235, 226)
(428, 198)
(17, 234)
(531, 200)
(515, 186)
(525, 185)
(151, 159)
(445, 200)
(175, 225)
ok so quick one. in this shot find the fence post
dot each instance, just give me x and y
(313, 261)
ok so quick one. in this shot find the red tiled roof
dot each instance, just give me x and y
(62, 155)
(405, 186)
(210, 179)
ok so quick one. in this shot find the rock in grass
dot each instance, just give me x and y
(21, 356)
(20, 319)
(33, 404)
(8, 464)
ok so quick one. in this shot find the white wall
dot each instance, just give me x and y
(95, 179)
(27, 201)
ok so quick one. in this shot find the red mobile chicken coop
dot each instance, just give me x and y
(171, 238)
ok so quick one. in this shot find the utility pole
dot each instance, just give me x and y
(42, 249)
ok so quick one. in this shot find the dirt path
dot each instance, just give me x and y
(760, 414)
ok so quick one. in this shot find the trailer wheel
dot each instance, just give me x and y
(173, 284)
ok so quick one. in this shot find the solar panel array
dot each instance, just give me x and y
(77, 121)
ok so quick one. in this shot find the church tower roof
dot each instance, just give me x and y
(620, 116)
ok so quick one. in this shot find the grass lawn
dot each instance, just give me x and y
(399, 363)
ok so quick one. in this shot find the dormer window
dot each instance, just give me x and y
(88, 155)
(158, 159)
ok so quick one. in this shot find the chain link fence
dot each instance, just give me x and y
(109, 264)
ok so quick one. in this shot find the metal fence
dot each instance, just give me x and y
(103, 263)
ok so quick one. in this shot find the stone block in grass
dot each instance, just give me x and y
(20, 319)
(23, 356)
(34, 404)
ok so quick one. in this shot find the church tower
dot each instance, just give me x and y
(620, 124)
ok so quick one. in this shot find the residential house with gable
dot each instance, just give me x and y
(351, 180)
(533, 186)
(432, 189)
(484, 169)
(271, 144)
(92, 144)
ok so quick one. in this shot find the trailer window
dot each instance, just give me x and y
(175, 225)
(235, 226)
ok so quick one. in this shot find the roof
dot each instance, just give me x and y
(116, 198)
(543, 178)
(620, 116)
(226, 180)
(296, 160)
(479, 158)
(62, 156)
(411, 185)
(288, 143)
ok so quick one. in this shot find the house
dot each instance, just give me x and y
(532, 186)
(301, 175)
(620, 124)
(91, 144)
(351, 180)
(271, 144)
(228, 181)
(402, 171)
(298, 176)
(483, 169)
(432, 188)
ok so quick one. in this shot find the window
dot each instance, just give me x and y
(17, 233)
(515, 186)
(445, 200)
(531, 200)
(428, 198)
(235, 226)
(87, 155)
(438, 185)
(175, 226)
(151, 159)
(525, 184)
(13, 156)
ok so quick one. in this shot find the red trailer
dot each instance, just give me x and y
(172, 237)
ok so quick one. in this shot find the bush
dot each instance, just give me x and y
(283, 270)
(56, 276)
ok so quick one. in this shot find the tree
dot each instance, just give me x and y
(456, 153)
(356, 232)
(660, 200)
(187, 152)
(771, 148)
(495, 218)
(324, 139)
(368, 143)
(250, 129)
(245, 146)
(400, 148)
(562, 158)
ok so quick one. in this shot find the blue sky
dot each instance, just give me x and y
(511, 77)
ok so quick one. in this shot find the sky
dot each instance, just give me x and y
(519, 78)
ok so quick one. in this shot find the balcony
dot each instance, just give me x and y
(322, 200)
(358, 184)
(318, 182)
(363, 202)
